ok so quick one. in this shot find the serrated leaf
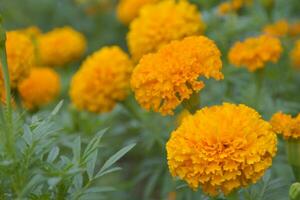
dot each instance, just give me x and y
(115, 158)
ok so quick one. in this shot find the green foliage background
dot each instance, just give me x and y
(145, 174)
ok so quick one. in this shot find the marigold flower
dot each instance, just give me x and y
(20, 56)
(294, 29)
(286, 125)
(40, 88)
(160, 23)
(253, 53)
(162, 80)
(61, 46)
(279, 28)
(127, 10)
(32, 31)
(295, 55)
(219, 151)
(231, 6)
(102, 80)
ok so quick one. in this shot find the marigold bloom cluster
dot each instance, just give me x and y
(20, 56)
(219, 151)
(295, 55)
(127, 10)
(61, 46)
(102, 80)
(253, 53)
(40, 88)
(231, 6)
(162, 80)
(279, 28)
(160, 23)
(286, 125)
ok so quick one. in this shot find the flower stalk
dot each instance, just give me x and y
(293, 153)
(193, 103)
(5, 72)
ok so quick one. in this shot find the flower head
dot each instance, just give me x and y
(32, 31)
(20, 56)
(279, 28)
(162, 80)
(295, 55)
(40, 88)
(61, 46)
(160, 23)
(294, 29)
(255, 52)
(102, 80)
(286, 125)
(231, 6)
(127, 10)
(219, 151)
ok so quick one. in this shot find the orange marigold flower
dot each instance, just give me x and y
(31, 31)
(255, 52)
(162, 80)
(294, 29)
(127, 10)
(61, 46)
(219, 151)
(160, 23)
(295, 55)
(286, 125)
(40, 88)
(20, 56)
(231, 6)
(102, 80)
(279, 28)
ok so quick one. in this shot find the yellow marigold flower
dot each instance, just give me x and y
(253, 53)
(127, 10)
(40, 88)
(31, 31)
(279, 28)
(295, 55)
(162, 80)
(219, 151)
(160, 23)
(61, 46)
(20, 56)
(102, 80)
(294, 29)
(286, 125)
(231, 6)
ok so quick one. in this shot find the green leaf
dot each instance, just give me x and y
(108, 171)
(27, 136)
(91, 163)
(53, 154)
(115, 158)
(57, 108)
(76, 149)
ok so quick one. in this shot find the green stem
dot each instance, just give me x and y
(293, 153)
(5, 72)
(193, 103)
(259, 77)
